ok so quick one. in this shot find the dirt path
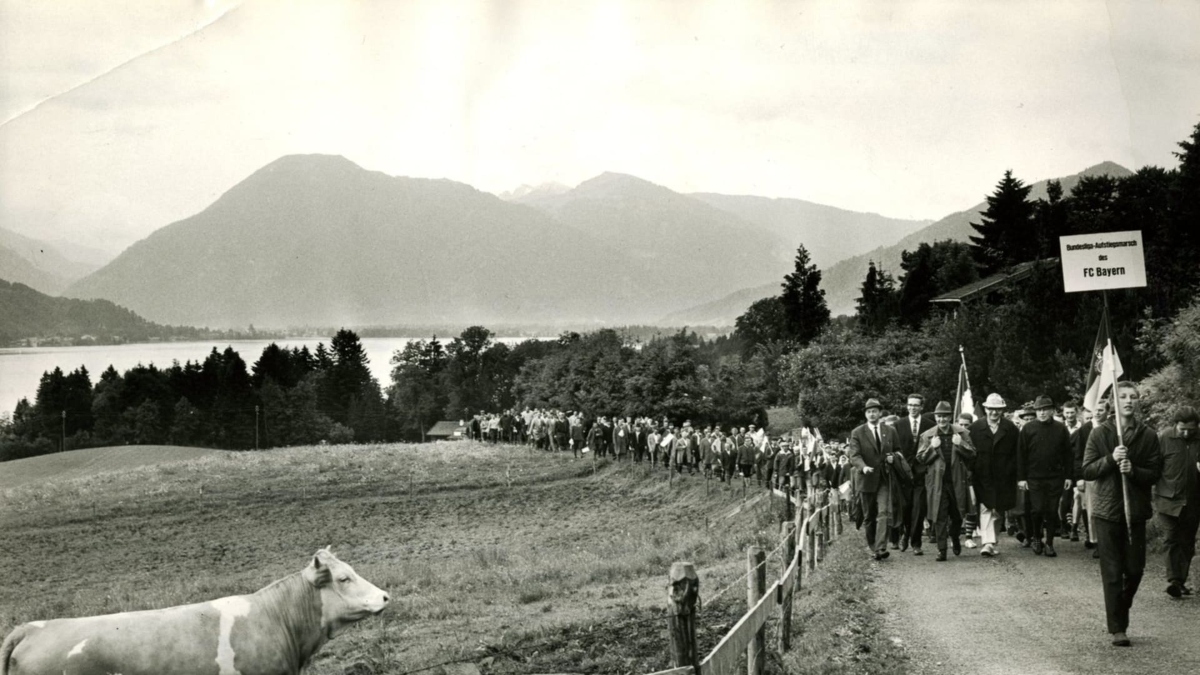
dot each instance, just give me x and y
(1021, 613)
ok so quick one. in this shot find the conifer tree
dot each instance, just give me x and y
(803, 299)
(1006, 234)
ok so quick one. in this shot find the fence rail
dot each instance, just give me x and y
(818, 521)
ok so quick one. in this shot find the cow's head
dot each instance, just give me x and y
(345, 596)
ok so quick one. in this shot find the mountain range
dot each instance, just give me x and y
(843, 281)
(45, 267)
(317, 240)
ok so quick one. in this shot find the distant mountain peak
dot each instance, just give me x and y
(1106, 168)
(548, 189)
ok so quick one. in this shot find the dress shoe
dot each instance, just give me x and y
(917, 551)
(941, 556)
(1020, 536)
(1074, 536)
(1119, 640)
(969, 542)
(1026, 543)
(1095, 554)
(1089, 544)
(883, 555)
(903, 545)
(1038, 547)
(956, 546)
(1175, 590)
(988, 551)
(1049, 552)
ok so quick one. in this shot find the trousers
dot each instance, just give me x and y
(988, 521)
(877, 506)
(1179, 534)
(1122, 564)
(950, 522)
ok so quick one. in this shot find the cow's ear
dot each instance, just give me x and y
(317, 573)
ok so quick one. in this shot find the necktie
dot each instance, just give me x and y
(878, 443)
(914, 426)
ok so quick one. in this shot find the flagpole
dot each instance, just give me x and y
(966, 378)
(958, 387)
(1117, 415)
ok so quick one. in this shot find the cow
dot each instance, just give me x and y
(274, 631)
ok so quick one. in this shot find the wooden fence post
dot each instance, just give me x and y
(683, 592)
(837, 522)
(820, 534)
(785, 617)
(810, 538)
(756, 586)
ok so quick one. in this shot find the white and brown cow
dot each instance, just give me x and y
(272, 632)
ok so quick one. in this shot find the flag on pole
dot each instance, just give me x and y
(1104, 361)
(964, 402)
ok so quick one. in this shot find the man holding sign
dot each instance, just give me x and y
(1133, 452)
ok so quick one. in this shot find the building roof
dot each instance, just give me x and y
(984, 286)
(446, 428)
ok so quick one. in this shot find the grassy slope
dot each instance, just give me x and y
(518, 561)
(487, 551)
(92, 461)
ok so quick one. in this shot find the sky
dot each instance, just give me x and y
(118, 118)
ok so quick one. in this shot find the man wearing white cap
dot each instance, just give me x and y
(995, 476)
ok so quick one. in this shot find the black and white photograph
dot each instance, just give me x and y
(599, 337)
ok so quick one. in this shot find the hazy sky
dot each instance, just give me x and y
(122, 116)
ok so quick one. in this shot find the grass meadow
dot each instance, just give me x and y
(519, 561)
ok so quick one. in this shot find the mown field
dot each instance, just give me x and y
(518, 561)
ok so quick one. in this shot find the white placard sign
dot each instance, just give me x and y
(1104, 260)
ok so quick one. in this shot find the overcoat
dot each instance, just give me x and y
(995, 464)
(961, 458)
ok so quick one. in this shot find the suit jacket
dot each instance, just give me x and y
(1179, 476)
(909, 443)
(864, 452)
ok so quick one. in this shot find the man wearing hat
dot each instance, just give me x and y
(947, 453)
(875, 451)
(1044, 461)
(995, 478)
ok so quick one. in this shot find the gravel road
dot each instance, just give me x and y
(1021, 613)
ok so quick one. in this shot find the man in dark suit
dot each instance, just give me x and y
(873, 449)
(995, 475)
(909, 429)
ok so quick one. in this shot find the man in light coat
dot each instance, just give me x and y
(947, 453)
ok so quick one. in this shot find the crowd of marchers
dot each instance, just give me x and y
(1036, 472)
(800, 458)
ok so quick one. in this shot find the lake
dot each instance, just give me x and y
(21, 368)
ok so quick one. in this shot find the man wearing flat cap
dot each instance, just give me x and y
(995, 441)
(875, 451)
(947, 453)
(1044, 467)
